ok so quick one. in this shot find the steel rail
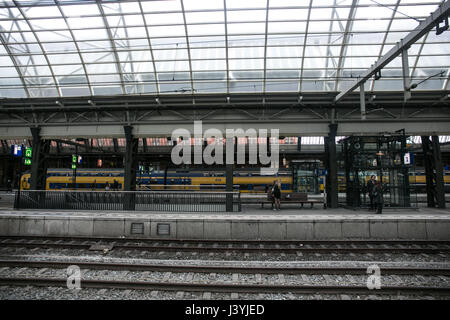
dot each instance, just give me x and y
(443, 271)
(237, 241)
(224, 287)
(193, 248)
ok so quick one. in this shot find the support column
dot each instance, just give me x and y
(130, 168)
(41, 148)
(439, 172)
(362, 101)
(428, 166)
(229, 184)
(433, 172)
(406, 78)
(331, 164)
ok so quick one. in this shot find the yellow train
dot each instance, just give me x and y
(246, 181)
(97, 179)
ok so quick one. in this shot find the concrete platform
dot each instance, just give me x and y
(251, 224)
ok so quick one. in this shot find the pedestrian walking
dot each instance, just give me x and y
(276, 191)
(370, 189)
(378, 195)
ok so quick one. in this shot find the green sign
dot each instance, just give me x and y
(27, 161)
(28, 152)
(74, 166)
(74, 158)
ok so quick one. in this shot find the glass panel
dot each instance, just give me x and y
(75, 91)
(98, 57)
(288, 14)
(205, 87)
(175, 87)
(45, 11)
(246, 28)
(239, 4)
(164, 18)
(272, 86)
(86, 22)
(94, 34)
(101, 68)
(48, 24)
(201, 17)
(250, 52)
(124, 7)
(206, 29)
(166, 31)
(62, 58)
(80, 10)
(152, 6)
(68, 69)
(285, 63)
(209, 65)
(282, 27)
(245, 86)
(246, 64)
(202, 5)
(278, 52)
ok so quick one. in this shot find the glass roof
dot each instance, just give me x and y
(81, 48)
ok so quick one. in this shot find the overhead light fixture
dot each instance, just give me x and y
(439, 29)
(157, 101)
(59, 103)
(377, 75)
(380, 153)
(414, 85)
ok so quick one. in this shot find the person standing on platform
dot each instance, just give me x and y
(9, 186)
(270, 194)
(370, 189)
(276, 191)
(378, 195)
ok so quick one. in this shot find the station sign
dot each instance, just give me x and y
(74, 166)
(27, 161)
(28, 152)
(16, 150)
(74, 158)
(408, 158)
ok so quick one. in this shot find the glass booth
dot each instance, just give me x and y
(305, 176)
(387, 158)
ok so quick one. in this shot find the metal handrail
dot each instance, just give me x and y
(193, 201)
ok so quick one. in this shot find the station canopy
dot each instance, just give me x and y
(70, 48)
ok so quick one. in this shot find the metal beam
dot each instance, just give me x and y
(229, 187)
(424, 27)
(439, 172)
(362, 101)
(406, 77)
(130, 167)
(287, 127)
(41, 149)
(331, 162)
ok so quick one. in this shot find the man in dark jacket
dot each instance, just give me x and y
(378, 197)
(370, 189)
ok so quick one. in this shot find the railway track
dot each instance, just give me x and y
(233, 277)
(353, 246)
(227, 287)
(443, 271)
